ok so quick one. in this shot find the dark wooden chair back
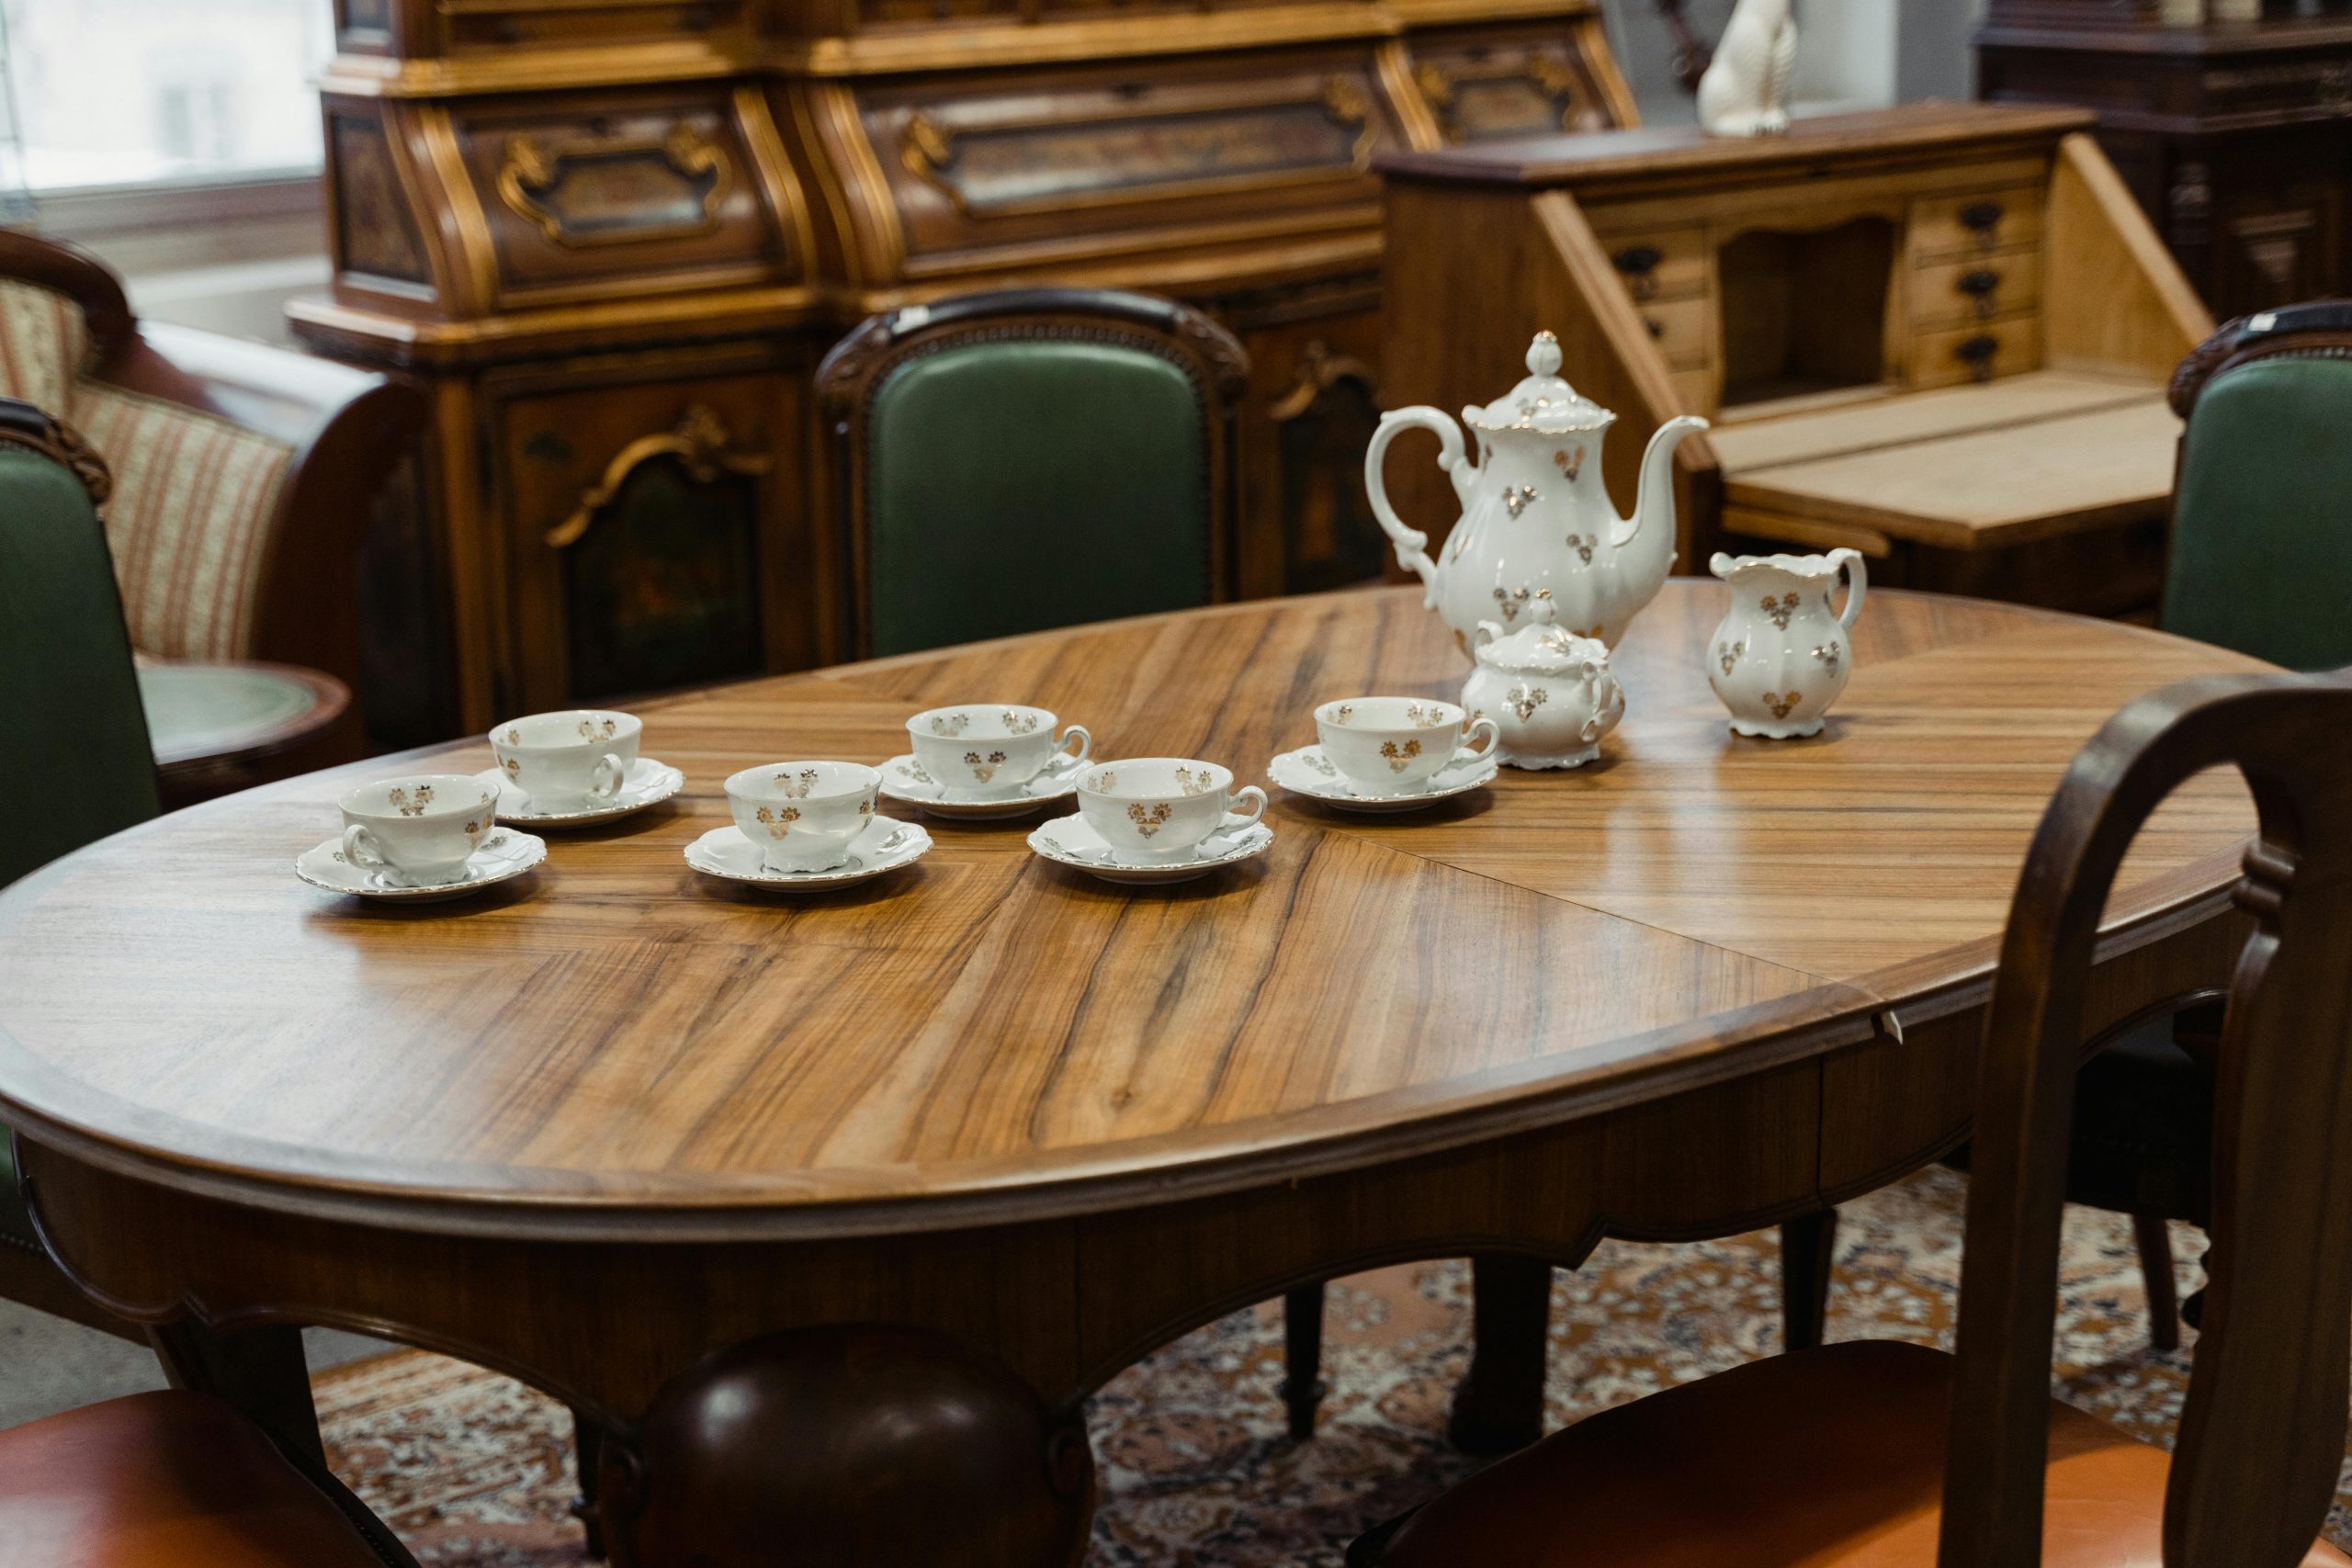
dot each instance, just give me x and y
(2262, 1437)
(1028, 459)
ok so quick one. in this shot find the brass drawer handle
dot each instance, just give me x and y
(532, 181)
(1980, 287)
(699, 442)
(1982, 218)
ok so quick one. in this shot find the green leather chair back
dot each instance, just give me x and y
(66, 678)
(2262, 515)
(1015, 485)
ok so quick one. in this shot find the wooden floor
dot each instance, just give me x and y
(1976, 467)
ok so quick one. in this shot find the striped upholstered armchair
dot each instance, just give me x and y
(244, 477)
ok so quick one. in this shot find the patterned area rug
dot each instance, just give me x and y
(474, 1471)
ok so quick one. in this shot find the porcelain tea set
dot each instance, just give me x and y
(1539, 580)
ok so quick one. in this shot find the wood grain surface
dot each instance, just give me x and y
(618, 1046)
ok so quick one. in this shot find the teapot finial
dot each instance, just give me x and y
(1543, 355)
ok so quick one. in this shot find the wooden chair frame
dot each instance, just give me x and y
(861, 363)
(347, 429)
(2319, 331)
(2261, 1437)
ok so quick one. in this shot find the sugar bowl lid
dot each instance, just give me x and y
(1543, 403)
(1541, 649)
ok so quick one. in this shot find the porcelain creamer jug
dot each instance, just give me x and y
(1536, 518)
(1549, 692)
(1782, 655)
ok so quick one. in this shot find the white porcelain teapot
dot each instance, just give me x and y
(1536, 518)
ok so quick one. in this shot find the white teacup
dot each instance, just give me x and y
(579, 757)
(1395, 745)
(993, 749)
(803, 814)
(416, 831)
(1159, 809)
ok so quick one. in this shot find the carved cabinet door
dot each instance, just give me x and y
(656, 529)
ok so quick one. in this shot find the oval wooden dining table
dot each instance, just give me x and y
(830, 1211)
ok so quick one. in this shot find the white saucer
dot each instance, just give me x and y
(650, 783)
(1308, 771)
(1069, 841)
(502, 855)
(904, 781)
(884, 846)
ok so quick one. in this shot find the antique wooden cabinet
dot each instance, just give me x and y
(1939, 334)
(612, 238)
(2236, 137)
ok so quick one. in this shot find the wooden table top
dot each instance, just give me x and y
(618, 1046)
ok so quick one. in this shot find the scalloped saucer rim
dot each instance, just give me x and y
(504, 855)
(1296, 772)
(1071, 842)
(1057, 782)
(650, 781)
(726, 853)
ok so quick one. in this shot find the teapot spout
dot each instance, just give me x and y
(1649, 533)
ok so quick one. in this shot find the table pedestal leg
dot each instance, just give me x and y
(1499, 1405)
(1808, 1245)
(1303, 1387)
(854, 1447)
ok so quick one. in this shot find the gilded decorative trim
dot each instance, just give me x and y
(700, 442)
(531, 166)
(462, 203)
(1393, 60)
(866, 186)
(773, 164)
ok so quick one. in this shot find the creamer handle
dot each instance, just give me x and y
(1857, 580)
(1412, 545)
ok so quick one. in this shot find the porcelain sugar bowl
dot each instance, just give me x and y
(1782, 655)
(1550, 691)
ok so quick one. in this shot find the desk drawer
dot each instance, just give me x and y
(1980, 288)
(1949, 227)
(1978, 352)
(1668, 265)
(1680, 328)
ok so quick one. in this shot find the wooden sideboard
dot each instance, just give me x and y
(612, 238)
(2236, 137)
(1939, 334)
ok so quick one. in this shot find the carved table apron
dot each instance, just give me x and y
(828, 1213)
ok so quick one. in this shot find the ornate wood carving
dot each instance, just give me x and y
(618, 191)
(700, 442)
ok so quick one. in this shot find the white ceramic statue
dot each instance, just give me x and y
(1745, 91)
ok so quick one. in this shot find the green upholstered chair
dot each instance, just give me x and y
(1013, 461)
(67, 680)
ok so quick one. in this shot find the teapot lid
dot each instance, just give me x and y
(1541, 403)
(1539, 649)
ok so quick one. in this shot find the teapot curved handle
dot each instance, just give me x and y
(1412, 545)
(1857, 581)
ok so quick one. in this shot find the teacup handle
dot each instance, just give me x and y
(604, 779)
(1235, 818)
(360, 848)
(1464, 753)
(1857, 579)
(1085, 746)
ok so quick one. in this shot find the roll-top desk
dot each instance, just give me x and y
(612, 238)
(1939, 334)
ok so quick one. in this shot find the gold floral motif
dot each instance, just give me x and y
(946, 726)
(779, 821)
(1730, 654)
(1421, 717)
(866, 806)
(796, 791)
(1343, 713)
(1018, 723)
(1583, 547)
(1398, 756)
(1781, 609)
(1569, 462)
(1106, 782)
(1781, 703)
(1525, 700)
(592, 730)
(1829, 654)
(1320, 763)
(914, 771)
(984, 769)
(1510, 603)
(1515, 500)
(1192, 783)
(514, 766)
(473, 829)
(513, 735)
(1148, 819)
(400, 796)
